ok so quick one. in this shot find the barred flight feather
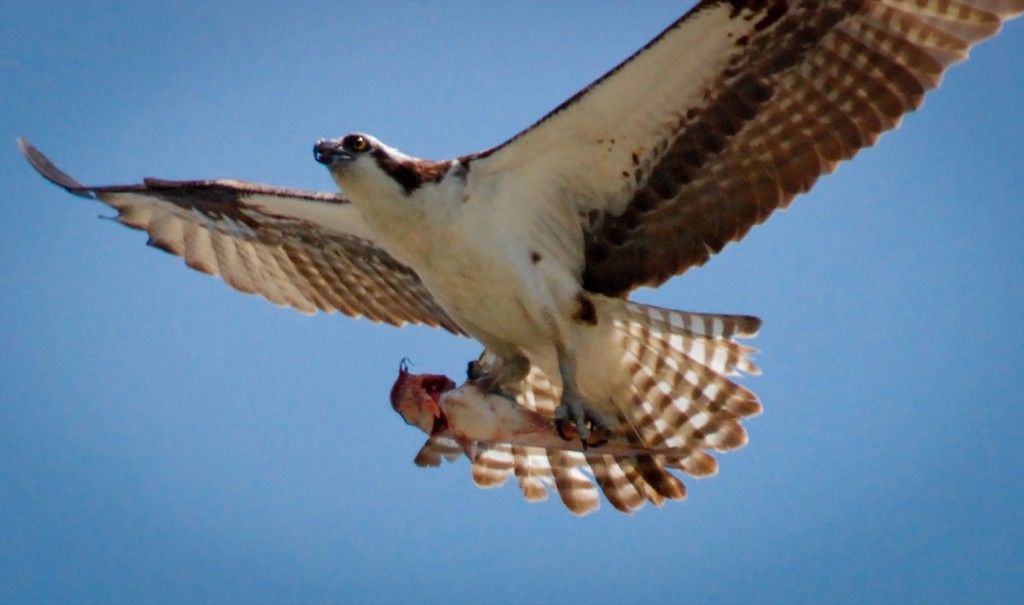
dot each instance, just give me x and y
(681, 402)
(710, 143)
(233, 229)
(818, 83)
(436, 448)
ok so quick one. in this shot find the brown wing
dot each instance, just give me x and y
(308, 250)
(730, 113)
(822, 83)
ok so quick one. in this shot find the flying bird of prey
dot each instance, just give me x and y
(533, 246)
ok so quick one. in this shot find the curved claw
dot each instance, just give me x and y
(576, 419)
(503, 380)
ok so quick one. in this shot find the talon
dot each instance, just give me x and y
(592, 428)
(562, 423)
(599, 435)
(575, 419)
(486, 382)
(474, 371)
(504, 380)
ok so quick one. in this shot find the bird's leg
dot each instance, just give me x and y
(503, 380)
(591, 426)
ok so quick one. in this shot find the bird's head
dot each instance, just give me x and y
(363, 166)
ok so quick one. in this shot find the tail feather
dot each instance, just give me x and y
(640, 483)
(663, 482)
(680, 395)
(493, 466)
(435, 448)
(698, 464)
(616, 486)
(625, 488)
(679, 363)
(530, 483)
(703, 337)
(626, 484)
(576, 489)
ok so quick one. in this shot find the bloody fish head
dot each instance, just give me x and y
(415, 397)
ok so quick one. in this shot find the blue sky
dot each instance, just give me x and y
(165, 439)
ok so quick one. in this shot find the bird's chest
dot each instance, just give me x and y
(485, 280)
(502, 274)
(491, 277)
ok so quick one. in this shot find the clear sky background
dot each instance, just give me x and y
(165, 439)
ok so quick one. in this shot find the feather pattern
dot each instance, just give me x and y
(728, 114)
(719, 121)
(684, 404)
(269, 241)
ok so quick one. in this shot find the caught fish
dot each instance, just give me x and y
(504, 436)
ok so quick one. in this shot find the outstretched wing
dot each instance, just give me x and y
(304, 249)
(727, 115)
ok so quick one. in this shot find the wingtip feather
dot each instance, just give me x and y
(50, 172)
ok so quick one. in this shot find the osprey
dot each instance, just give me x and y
(532, 247)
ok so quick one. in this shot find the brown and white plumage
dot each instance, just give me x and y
(684, 404)
(731, 112)
(529, 246)
(304, 249)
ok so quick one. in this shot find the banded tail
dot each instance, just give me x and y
(681, 398)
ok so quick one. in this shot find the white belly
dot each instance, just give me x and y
(497, 294)
(504, 269)
(527, 308)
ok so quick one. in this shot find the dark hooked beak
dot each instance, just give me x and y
(328, 152)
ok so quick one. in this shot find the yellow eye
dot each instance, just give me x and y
(357, 143)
